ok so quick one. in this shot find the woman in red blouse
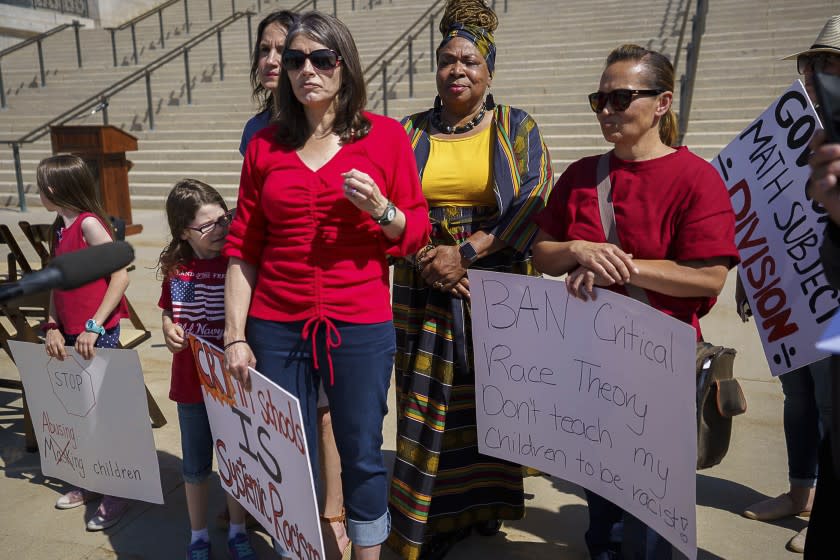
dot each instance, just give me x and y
(675, 231)
(326, 194)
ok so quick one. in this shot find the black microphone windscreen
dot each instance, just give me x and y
(92, 263)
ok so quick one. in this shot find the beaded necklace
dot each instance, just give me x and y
(438, 123)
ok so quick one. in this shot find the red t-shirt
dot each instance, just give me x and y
(674, 207)
(316, 254)
(74, 307)
(196, 297)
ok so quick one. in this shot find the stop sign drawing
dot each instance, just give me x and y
(72, 385)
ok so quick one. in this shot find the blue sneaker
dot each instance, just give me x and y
(199, 550)
(240, 548)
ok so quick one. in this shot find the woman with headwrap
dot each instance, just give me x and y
(485, 171)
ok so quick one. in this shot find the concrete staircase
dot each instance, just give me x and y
(198, 140)
(550, 55)
(740, 71)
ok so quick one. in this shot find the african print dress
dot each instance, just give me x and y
(441, 483)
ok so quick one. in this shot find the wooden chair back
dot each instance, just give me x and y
(38, 236)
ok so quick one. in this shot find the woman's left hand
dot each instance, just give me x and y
(442, 267)
(581, 281)
(364, 193)
(85, 345)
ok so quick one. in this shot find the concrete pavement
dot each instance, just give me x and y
(556, 518)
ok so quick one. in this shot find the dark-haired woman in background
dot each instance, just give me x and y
(265, 69)
(485, 171)
(675, 226)
(307, 296)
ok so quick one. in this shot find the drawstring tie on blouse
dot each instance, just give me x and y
(332, 336)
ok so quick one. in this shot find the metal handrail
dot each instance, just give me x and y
(698, 27)
(134, 21)
(678, 52)
(99, 101)
(380, 64)
(39, 39)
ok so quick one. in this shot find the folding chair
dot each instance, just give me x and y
(39, 237)
(23, 331)
(16, 259)
(35, 306)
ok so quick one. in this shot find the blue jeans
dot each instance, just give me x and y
(358, 404)
(807, 406)
(196, 442)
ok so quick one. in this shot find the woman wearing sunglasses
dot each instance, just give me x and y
(675, 229)
(265, 77)
(485, 171)
(306, 297)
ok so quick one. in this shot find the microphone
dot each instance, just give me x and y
(72, 270)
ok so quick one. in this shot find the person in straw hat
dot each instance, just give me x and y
(807, 406)
(824, 188)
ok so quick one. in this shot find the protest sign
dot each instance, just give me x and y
(91, 420)
(261, 451)
(778, 230)
(600, 393)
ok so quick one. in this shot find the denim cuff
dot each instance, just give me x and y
(369, 533)
(803, 482)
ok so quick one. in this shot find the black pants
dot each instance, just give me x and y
(825, 515)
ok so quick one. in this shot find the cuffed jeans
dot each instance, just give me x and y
(807, 408)
(358, 404)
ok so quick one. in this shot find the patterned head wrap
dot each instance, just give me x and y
(480, 37)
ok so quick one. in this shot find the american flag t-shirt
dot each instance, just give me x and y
(197, 301)
(195, 296)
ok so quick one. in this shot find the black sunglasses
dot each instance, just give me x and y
(322, 59)
(223, 221)
(817, 62)
(619, 99)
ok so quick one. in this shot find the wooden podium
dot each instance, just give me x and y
(103, 148)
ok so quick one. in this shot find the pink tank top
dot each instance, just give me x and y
(74, 307)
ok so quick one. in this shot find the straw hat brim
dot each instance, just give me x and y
(814, 50)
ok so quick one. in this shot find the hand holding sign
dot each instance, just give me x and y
(598, 393)
(261, 448)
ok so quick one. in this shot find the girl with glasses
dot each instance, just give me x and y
(191, 301)
(328, 192)
(675, 232)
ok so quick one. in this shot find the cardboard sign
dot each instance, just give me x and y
(91, 420)
(778, 230)
(600, 393)
(261, 451)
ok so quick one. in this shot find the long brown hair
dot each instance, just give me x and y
(350, 124)
(285, 19)
(659, 72)
(183, 203)
(66, 181)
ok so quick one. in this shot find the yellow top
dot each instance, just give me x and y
(459, 171)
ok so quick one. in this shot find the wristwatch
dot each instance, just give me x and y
(92, 326)
(468, 252)
(388, 215)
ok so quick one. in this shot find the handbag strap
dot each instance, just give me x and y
(605, 206)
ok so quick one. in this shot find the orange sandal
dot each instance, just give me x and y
(331, 547)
